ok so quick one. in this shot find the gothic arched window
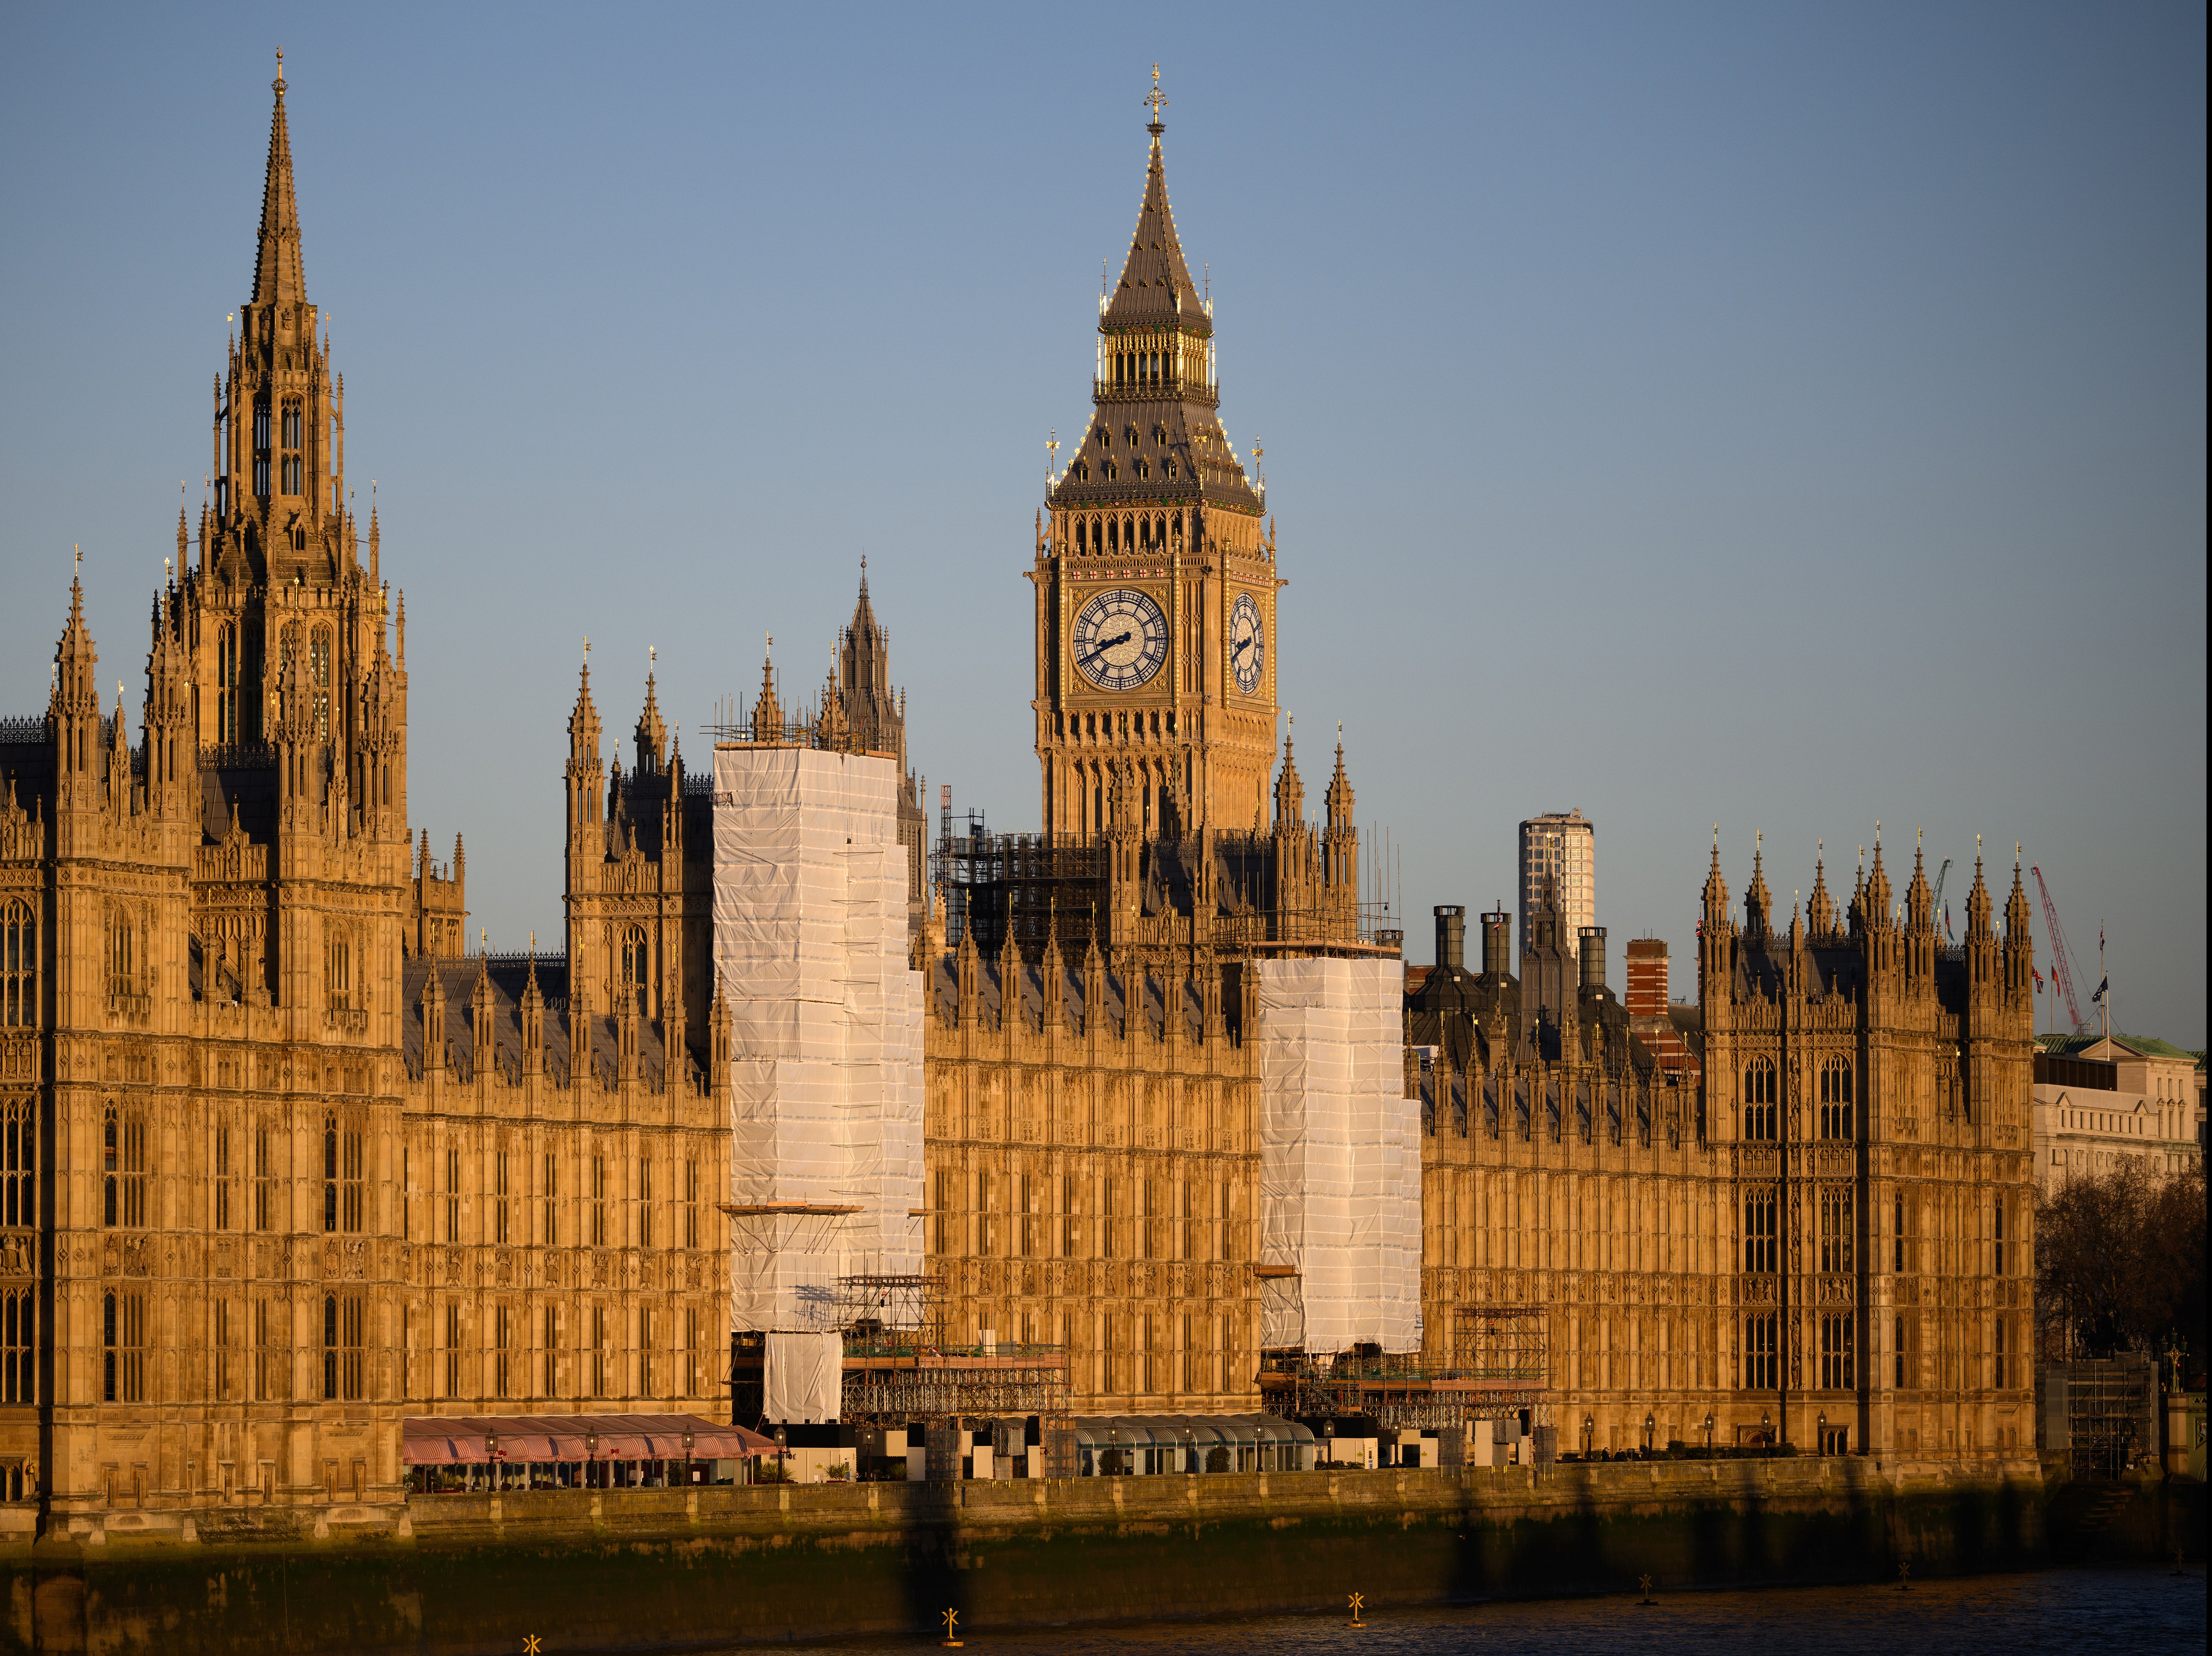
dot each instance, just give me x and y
(122, 955)
(319, 678)
(19, 965)
(1837, 1076)
(636, 974)
(1759, 1117)
(19, 1163)
(337, 971)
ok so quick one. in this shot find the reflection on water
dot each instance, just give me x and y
(2136, 1612)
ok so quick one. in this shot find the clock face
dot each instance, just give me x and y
(1248, 643)
(1120, 639)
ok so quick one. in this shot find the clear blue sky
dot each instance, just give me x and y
(1784, 416)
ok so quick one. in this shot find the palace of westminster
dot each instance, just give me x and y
(285, 1164)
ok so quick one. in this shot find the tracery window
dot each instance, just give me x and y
(122, 1331)
(337, 971)
(122, 1148)
(1837, 1075)
(453, 1348)
(261, 436)
(1759, 1232)
(319, 679)
(222, 1179)
(19, 1328)
(219, 1332)
(122, 955)
(19, 1162)
(691, 1204)
(1837, 1351)
(263, 1179)
(1836, 1220)
(226, 682)
(645, 1201)
(342, 1352)
(343, 1186)
(502, 1342)
(1761, 1366)
(19, 966)
(1759, 1114)
(499, 1202)
(635, 968)
(599, 1202)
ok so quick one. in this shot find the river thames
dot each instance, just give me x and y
(2137, 1611)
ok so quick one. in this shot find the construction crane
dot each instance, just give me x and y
(2062, 967)
(1942, 918)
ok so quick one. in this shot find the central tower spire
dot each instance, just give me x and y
(1155, 585)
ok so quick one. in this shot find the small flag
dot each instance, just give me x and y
(2103, 983)
(2038, 971)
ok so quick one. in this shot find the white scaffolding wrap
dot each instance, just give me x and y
(825, 1049)
(1340, 1157)
(804, 1377)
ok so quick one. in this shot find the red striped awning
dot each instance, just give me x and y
(465, 1440)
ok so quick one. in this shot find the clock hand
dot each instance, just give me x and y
(1105, 644)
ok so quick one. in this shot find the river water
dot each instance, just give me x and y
(2129, 1612)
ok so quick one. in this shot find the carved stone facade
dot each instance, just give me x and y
(1833, 1235)
(280, 1163)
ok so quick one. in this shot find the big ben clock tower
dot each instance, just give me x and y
(1155, 584)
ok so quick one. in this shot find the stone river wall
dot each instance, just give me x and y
(664, 1570)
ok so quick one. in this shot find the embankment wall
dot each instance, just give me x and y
(664, 1570)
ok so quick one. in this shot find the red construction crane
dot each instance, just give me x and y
(2062, 966)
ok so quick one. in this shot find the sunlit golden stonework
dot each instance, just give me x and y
(282, 1163)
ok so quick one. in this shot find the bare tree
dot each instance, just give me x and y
(2119, 1261)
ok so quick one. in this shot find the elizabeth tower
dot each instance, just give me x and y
(1155, 584)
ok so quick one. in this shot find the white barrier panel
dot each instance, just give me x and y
(1339, 1156)
(825, 1065)
(803, 1378)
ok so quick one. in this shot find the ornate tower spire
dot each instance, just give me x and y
(1758, 902)
(278, 278)
(1152, 495)
(652, 732)
(1289, 793)
(1820, 907)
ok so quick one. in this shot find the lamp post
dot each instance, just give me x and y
(1327, 1443)
(1590, 1435)
(1709, 1436)
(1821, 1429)
(491, 1457)
(1651, 1430)
(591, 1454)
(1767, 1428)
(687, 1457)
(1190, 1449)
(782, 1443)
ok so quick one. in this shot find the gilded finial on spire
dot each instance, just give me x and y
(279, 85)
(1159, 100)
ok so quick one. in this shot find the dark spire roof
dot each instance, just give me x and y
(1155, 289)
(278, 277)
(1154, 438)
